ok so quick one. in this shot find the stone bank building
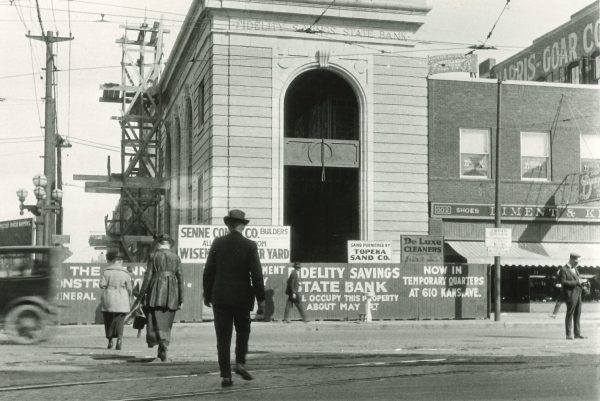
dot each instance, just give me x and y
(302, 118)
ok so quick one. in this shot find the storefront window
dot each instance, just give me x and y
(574, 73)
(534, 156)
(474, 153)
(589, 148)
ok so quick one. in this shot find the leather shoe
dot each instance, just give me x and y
(110, 344)
(119, 344)
(162, 352)
(226, 382)
(569, 338)
(580, 337)
(240, 369)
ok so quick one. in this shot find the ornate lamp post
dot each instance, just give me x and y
(39, 209)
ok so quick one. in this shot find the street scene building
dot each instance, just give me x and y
(298, 121)
(549, 144)
(570, 54)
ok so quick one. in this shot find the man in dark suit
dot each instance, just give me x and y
(572, 289)
(232, 279)
(292, 290)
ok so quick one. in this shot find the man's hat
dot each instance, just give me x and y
(236, 215)
(574, 256)
(114, 255)
(164, 238)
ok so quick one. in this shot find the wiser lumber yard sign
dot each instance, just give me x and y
(194, 242)
(374, 252)
(397, 291)
(422, 248)
(515, 212)
(16, 232)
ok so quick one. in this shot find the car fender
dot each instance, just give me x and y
(32, 300)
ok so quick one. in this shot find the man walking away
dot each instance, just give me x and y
(232, 279)
(572, 288)
(294, 298)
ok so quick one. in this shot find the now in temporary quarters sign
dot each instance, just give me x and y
(194, 242)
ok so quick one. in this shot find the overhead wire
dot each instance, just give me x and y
(489, 35)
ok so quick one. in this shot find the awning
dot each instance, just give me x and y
(530, 253)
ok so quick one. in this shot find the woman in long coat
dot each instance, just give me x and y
(161, 294)
(116, 298)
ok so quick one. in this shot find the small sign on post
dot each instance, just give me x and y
(498, 241)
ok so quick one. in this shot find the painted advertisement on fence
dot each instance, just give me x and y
(78, 293)
(194, 242)
(397, 291)
(329, 291)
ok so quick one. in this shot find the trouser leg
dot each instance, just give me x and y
(300, 309)
(576, 316)
(569, 317)
(242, 334)
(288, 308)
(559, 302)
(223, 320)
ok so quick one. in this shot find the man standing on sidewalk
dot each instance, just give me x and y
(572, 289)
(232, 279)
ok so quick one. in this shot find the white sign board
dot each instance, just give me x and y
(369, 252)
(194, 242)
(498, 237)
(498, 241)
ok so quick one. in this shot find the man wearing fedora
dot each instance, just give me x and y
(161, 294)
(572, 288)
(232, 279)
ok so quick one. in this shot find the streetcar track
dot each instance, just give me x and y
(377, 364)
(182, 376)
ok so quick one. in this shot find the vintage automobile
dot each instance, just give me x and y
(27, 288)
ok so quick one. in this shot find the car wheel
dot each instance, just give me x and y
(25, 324)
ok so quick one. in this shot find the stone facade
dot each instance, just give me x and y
(224, 90)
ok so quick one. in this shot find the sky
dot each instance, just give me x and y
(93, 58)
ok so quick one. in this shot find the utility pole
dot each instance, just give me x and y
(49, 130)
(61, 143)
(497, 220)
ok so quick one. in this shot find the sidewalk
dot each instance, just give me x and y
(507, 319)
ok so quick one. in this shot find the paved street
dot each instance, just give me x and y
(523, 357)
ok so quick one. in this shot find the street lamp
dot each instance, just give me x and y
(39, 181)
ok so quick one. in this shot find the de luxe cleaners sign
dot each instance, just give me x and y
(194, 242)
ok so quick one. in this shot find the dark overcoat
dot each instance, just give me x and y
(569, 281)
(232, 274)
(163, 281)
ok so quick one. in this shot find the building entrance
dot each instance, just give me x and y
(321, 177)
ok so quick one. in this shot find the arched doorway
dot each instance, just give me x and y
(321, 166)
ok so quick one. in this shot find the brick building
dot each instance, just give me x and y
(550, 139)
(570, 54)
